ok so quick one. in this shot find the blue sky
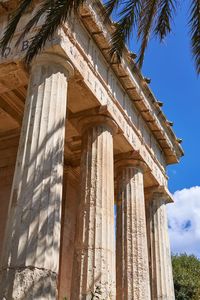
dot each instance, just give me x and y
(174, 82)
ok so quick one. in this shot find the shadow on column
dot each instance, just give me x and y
(32, 222)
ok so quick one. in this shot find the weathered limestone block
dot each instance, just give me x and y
(162, 287)
(131, 244)
(30, 257)
(94, 260)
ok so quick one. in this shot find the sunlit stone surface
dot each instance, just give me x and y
(79, 111)
(30, 256)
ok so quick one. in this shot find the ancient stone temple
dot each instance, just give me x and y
(82, 140)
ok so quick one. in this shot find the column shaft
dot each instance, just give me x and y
(69, 216)
(161, 269)
(30, 260)
(132, 254)
(94, 262)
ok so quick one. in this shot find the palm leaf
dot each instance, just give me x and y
(194, 23)
(110, 6)
(128, 17)
(12, 24)
(35, 19)
(167, 9)
(56, 15)
(144, 15)
(148, 13)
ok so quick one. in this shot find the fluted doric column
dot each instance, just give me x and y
(30, 260)
(162, 287)
(94, 261)
(131, 245)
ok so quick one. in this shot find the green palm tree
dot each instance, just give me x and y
(143, 17)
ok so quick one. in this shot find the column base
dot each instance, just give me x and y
(28, 283)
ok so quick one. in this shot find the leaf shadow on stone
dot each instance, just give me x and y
(34, 217)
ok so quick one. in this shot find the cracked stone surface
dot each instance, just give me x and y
(29, 284)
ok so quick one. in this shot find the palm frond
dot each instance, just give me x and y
(12, 24)
(110, 6)
(166, 11)
(148, 13)
(35, 19)
(128, 17)
(56, 15)
(194, 23)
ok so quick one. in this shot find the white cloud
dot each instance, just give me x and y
(184, 221)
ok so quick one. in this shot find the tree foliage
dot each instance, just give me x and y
(186, 273)
(143, 17)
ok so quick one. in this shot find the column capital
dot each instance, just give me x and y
(130, 159)
(158, 193)
(94, 120)
(49, 58)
